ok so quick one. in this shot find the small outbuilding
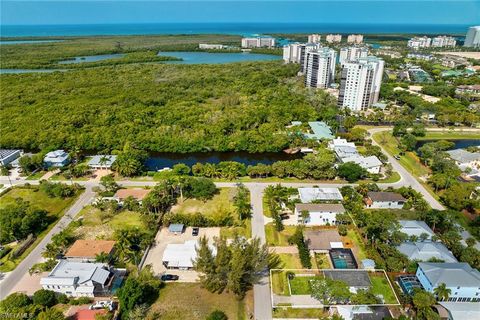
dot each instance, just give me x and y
(176, 228)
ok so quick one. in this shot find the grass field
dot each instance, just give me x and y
(301, 285)
(37, 175)
(275, 238)
(97, 225)
(244, 231)
(450, 135)
(55, 206)
(410, 160)
(280, 283)
(190, 301)
(357, 241)
(309, 313)
(380, 286)
(220, 205)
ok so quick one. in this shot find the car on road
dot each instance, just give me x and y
(169, 277)
(195, 231)
(397, 157)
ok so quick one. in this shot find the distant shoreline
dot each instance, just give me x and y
(49, 31)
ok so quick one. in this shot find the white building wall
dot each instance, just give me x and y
(386, 205)
(352, 53)
(318, 218)
(472, 38)
(320, 68)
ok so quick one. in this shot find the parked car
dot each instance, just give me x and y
(104, 304)
(169, 277)
(195, 231)
(397, 157)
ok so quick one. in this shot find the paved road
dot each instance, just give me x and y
(35, 256)
(407, 178)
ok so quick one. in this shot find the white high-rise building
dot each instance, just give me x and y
(291, 53)
(314, 38)
(320, 68)
(360, 83)
(355, 38)
(258, 42)
(443, 41)
(419, 42)
(352, 53)
(472, 39)
(304, 49)
(333, 38)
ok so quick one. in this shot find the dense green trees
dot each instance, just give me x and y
(20, 219)
(44, 298)
(241, 201)
(351, 171)
(58, 190)
(172, 108)
(303, 252)
(235, 267)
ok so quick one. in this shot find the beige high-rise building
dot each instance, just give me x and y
(258, 42)
(320, 68)
(443, 41)
(352, 53)
(333, 38)
(314, 38)
(355, 38)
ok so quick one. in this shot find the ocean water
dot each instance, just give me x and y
(221, 28)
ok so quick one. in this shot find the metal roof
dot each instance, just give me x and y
(320, 207)
(69, 273)
(308, 195)
(426, 250)
(175, 227)
(457, 274)
(415, 228)
(96, 161)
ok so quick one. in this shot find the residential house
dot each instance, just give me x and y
(101, 162)
(462, 280)
(319, 214)
(322, 241)
(176, 228)
(371, 163)
(57, 158)
(461, 310)
(182, 255)
(465, 160)
(136, 193)
(361, 312)
(88, 250)
(77, 279)
(321, 131)
(424, 251)
(384, 200)
(308, 195)
(416, 228)
(8, 155)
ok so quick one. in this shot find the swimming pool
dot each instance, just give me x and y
(408, 283)
(343, 259)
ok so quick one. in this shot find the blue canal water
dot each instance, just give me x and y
(96, 58)
(208, 57)
(224, 28)
(162, 160)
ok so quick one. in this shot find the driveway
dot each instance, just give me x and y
(163, 238)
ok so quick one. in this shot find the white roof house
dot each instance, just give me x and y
(415, 228)
(343, 148)
(102, 161)
(461, 310)
(424, 251)
(181, 255)
(57, 158)
(8, 155)
(77, 278)
(307, 195)
(371, 163)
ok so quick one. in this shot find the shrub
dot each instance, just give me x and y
(44, 298)
(79, 301)
(217, 315)
(342, 230)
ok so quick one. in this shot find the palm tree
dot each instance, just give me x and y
(442, 292)
(103, 160)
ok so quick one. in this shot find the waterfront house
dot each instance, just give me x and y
(384, 200)
(318, 214)
(8, 155)
(101, 162)
(462, 280)
(77, 279)
(57, 158)
(88, 250)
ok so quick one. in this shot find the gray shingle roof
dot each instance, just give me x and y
(452, 274)
(415, 227)
(463, 156)
(424, 251)
(385, 196)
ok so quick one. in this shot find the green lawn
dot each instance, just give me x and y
(450, 135)
(243, 231)
(380, 286)
(191, 301)
(37, 175)
(219, 206)
(275, 238)
(290, 261)
(55, 206)
(301, 285)
(310, 313)
(280, 283)
(322, 261)
(357, 241)
(400, 214)
(98, 225)
(410, 160)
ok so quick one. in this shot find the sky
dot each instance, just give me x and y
(41, 12)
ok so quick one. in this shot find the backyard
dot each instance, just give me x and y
(56, 207)
(191, 301)
(381, 286)
(276, 238)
